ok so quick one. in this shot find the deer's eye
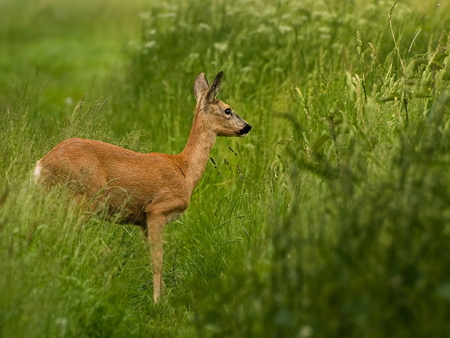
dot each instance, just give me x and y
(228, 111)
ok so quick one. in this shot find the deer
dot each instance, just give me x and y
(146, 189)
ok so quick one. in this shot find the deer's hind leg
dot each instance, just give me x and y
(87, 206)
(89, 193)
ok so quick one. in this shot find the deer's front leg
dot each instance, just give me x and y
(155, 225)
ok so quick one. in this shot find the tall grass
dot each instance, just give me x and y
(330, 219)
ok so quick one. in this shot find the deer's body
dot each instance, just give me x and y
(122, 180)
(148, 190)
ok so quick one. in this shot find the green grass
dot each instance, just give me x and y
(331, 219)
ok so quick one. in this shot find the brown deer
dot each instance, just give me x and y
(148, 190)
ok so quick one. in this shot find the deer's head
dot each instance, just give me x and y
(219, 116)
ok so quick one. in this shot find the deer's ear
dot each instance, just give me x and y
(200, 85)
(213, 89)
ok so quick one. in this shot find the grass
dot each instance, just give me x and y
(330, 219)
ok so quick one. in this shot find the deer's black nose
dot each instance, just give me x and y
(245, 130)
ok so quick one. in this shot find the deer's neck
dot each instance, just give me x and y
(196, 154)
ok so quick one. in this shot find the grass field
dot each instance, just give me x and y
(331, 219)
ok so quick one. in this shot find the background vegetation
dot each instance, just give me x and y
(331, 219)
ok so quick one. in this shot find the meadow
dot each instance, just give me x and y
(330, 219)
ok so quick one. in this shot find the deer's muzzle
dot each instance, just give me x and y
(244, 131)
